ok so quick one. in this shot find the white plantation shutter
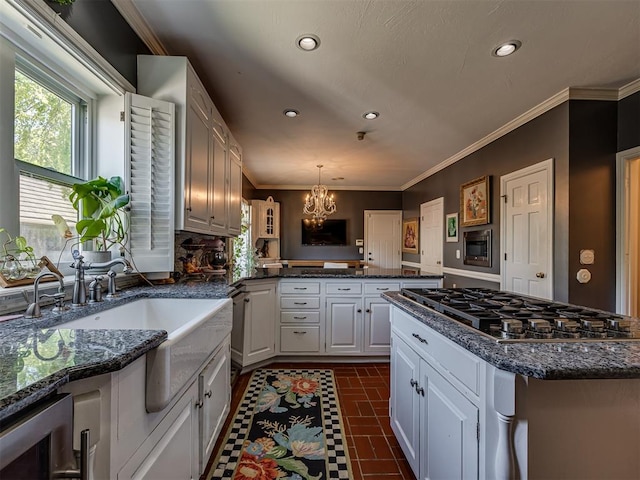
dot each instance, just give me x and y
(150, 128)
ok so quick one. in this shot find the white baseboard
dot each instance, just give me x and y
(489, 277)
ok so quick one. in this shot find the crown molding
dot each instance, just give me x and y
(139, 25)
(629, 89)
(249, 176)
(377, 188)
(572, 93)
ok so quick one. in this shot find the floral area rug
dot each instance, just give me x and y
(287, 427)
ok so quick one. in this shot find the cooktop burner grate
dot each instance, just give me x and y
(508, 317)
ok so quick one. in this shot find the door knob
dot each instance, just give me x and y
(540, 274)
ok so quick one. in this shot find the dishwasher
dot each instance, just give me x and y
(240, 298)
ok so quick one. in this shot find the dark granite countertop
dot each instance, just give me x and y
(549, 361)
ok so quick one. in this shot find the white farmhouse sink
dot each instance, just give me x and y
(195, 328)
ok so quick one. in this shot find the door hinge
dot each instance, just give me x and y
(505, 198)
(122, 116)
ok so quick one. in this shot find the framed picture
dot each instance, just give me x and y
(474, 202)
(410, 235)
(452, 227)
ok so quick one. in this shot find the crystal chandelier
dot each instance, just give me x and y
(319, 203)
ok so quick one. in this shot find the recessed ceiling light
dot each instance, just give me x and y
(308, 42)
(371, 115)
(291, 113)
(506, 48)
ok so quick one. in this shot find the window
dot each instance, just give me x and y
(243, 261)
(49, 139)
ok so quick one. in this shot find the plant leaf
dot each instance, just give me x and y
(293, 465)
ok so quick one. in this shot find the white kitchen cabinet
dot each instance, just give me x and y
(259, 322)
(235, 187)
(267, 218)
(214, 390)
(204, 183)
(171, 450)
(377, 326)
(437, 426)
(344, 325)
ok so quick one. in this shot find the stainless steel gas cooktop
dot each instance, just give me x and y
(509, 317)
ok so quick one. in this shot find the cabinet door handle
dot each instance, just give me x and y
(422, 340)
(246, 300)
(199, 404)
(420, 391)
(368, 310)
(188, 209)
(300, 318)
(208, 394)
(213, 217)
(299, 303)
(299, 333)
(359, 310)
(413, 382)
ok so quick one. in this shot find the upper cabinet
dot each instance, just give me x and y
(208, 160)
(266, 218)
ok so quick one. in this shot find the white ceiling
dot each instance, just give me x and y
(426, 66)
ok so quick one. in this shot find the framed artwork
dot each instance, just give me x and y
(410, 235)
(474, 202)
(452, 227)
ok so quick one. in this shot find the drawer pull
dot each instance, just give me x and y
(299, 288)
(382, 288)
(299, 303)
(299, 333)
(344, 289)
(299, 318)
(422, 340)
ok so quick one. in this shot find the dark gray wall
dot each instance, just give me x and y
(102, 26)
(350, 206)
(544, 137)
(248, 190)
(629, 122)
(592, 200)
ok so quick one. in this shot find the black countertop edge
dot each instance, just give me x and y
(545, 361)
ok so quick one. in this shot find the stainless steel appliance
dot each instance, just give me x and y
(38, 444)
(477, 248)
(509, 317)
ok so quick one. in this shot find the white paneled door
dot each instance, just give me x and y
(527, 238)
(383, 234)
(431, 234)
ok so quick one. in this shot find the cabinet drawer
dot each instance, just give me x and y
(300, 302)
(300, 317)
(300, 339)
(381, 287)
(299, 288)
(344, 288)
(426, 283)
(438, 350)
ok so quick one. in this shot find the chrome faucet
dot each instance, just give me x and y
(79, 297)
(33, 310)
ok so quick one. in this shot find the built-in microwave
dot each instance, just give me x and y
(477, 248)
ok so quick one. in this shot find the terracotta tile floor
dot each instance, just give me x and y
(363, 392)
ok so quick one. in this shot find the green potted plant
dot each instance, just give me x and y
(18, 260)
(101, 205)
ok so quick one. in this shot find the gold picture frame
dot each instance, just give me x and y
(410, 235)
(474, 202)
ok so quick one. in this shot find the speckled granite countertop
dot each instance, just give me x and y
(549, 361)
(36, 358)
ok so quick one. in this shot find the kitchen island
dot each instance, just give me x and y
(465, 406)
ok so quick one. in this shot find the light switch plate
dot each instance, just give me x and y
(587, 257)
(458, 253)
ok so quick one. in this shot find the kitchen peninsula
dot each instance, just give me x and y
(465, 406)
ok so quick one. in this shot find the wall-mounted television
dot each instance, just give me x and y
(330, 232)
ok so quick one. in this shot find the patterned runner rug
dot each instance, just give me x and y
(287, 427)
